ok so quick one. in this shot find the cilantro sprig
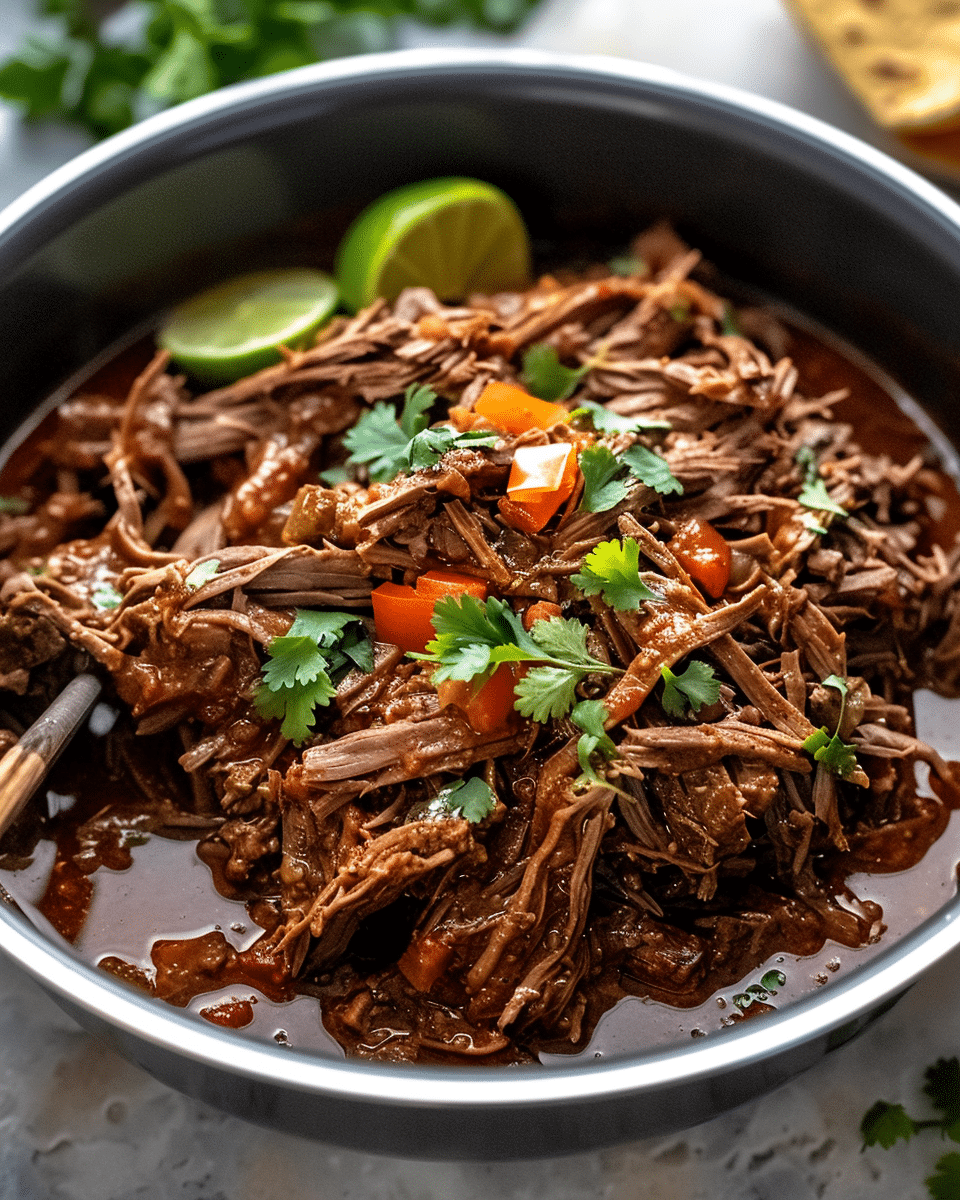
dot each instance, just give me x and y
(604, 420)
(612, 570)
(155, 53)
(591, 716)
(389, 443)
(885, 1124)
(305, 663)
(813, 493)
(836, 755)
(696, 687)
(604, 484)
(475, 636)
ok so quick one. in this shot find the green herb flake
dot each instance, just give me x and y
(773, 980)
(697, 687)
(626, 265)
(15, 506)
(602, 490)
(728, 325)
(652, 470)
(612, 570)
(472, 799)
(105, 597)
(319, 648)
(813, 493)
(545, 375)
(202, 573)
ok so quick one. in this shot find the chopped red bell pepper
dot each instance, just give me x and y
(403, 615)
(704, 554)
(487, 708)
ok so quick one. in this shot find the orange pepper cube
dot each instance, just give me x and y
(537, 470)
(513, 410)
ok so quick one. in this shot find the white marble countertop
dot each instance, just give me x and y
(78, 1123)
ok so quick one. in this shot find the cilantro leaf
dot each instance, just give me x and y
(604, 420)
(885, 1124)
(298, 676)
(388, 444)
(591, 717)
(545, 375)
(697, 686)
(378, 443)
(653, 470)
(945, 1184)
(418, 399)
(565, 640)
(729, 324)
(813, 493)
(428, 446)
(612, 569)
(836, 755)
(545, 692)
(601, 488)
(943, 1087)
(202, 573)
(472, 799)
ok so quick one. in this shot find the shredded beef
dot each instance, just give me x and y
(173, 535)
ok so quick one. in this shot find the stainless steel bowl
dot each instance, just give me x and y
(588, 147)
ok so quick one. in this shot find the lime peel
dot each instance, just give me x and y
(236, 327)
(454, 235)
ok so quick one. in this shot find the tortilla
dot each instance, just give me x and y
(900, 57)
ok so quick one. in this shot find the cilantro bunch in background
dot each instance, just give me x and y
(104, 64)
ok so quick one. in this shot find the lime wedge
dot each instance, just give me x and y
(453, 235)
(235, 328)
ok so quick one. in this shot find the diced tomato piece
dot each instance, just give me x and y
(450, 583)
(424, 961)
(488, 708)
(541, 479)
(704, 554)
(403, 615)
(542, 610)
(513, 410)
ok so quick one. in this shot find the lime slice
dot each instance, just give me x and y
(235, 328)
(453, 235)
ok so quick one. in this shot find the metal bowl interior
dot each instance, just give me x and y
(590, 149)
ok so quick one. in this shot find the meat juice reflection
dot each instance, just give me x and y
(724, 841)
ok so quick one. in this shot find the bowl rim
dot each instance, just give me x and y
(84, 183)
